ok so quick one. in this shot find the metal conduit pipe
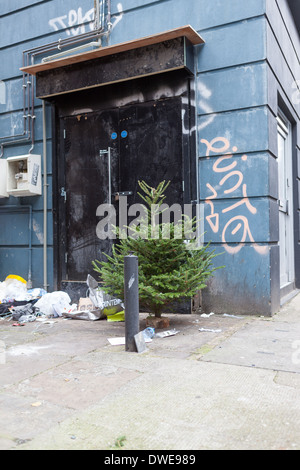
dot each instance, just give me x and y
(25, 135)
(21, 208)
(28, 129)
(66, 41)
(25, 115)
(74, 49)
(99, 30)
(28, 111)
(109, 23)
(32, 115)
(97, 14)
(60, 43)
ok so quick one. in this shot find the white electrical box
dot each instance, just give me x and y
(3, 179)
(24, 175)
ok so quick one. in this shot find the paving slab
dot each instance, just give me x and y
(184, 405)
(269, 343)
(221, 382)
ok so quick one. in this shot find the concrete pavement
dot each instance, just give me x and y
(222, 382)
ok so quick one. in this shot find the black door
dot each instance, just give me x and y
(152, 148)
(86, 186)
(145, 142)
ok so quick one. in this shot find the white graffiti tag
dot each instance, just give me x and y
(74, 22)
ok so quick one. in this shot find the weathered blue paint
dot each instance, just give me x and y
(244, 281)
(52, 17)
(230, 216)
(250, 58)
(14, 229)
(15, 261)
(260, 163)
(249, 83)
(233, 44)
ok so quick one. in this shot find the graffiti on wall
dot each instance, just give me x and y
(76, 22)
(118, 17)
(227, 170)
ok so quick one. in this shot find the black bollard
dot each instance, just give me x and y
(131, 290)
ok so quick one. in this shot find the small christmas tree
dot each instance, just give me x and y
(171, 264)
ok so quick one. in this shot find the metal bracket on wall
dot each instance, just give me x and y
(123, 193)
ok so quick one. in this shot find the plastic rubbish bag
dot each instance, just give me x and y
(54, 304)
(115, 317)
(22, 310)
(27, 318)
(36, 293)
(33, 294)
(91, 315)
(13, 288)
(111, 308)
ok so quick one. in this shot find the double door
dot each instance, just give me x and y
(106, 153)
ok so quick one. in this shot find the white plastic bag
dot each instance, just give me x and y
(13, 288)
(106, 303)
(54, 304)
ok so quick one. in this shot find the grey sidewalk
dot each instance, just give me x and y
(63, 386)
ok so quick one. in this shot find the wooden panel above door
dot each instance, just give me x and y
(184, 31)
(153, 55)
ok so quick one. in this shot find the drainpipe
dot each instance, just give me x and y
(29, 280)
(97, 14)
(45, 192)
(20, 208)
(109, 23)
(32, 115)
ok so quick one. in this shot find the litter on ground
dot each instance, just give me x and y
(210, 330)
(24, 305)
(165, 334)
(232, 316)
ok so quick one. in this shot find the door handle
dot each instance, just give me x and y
(108, 153)
(63, 193)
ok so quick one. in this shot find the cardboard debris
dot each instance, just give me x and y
(140, 342)
(116, 341)
(121, 341)
(85, 304)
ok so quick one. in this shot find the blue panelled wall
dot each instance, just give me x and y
(247, 69)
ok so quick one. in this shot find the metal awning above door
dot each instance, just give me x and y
(163, 52)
